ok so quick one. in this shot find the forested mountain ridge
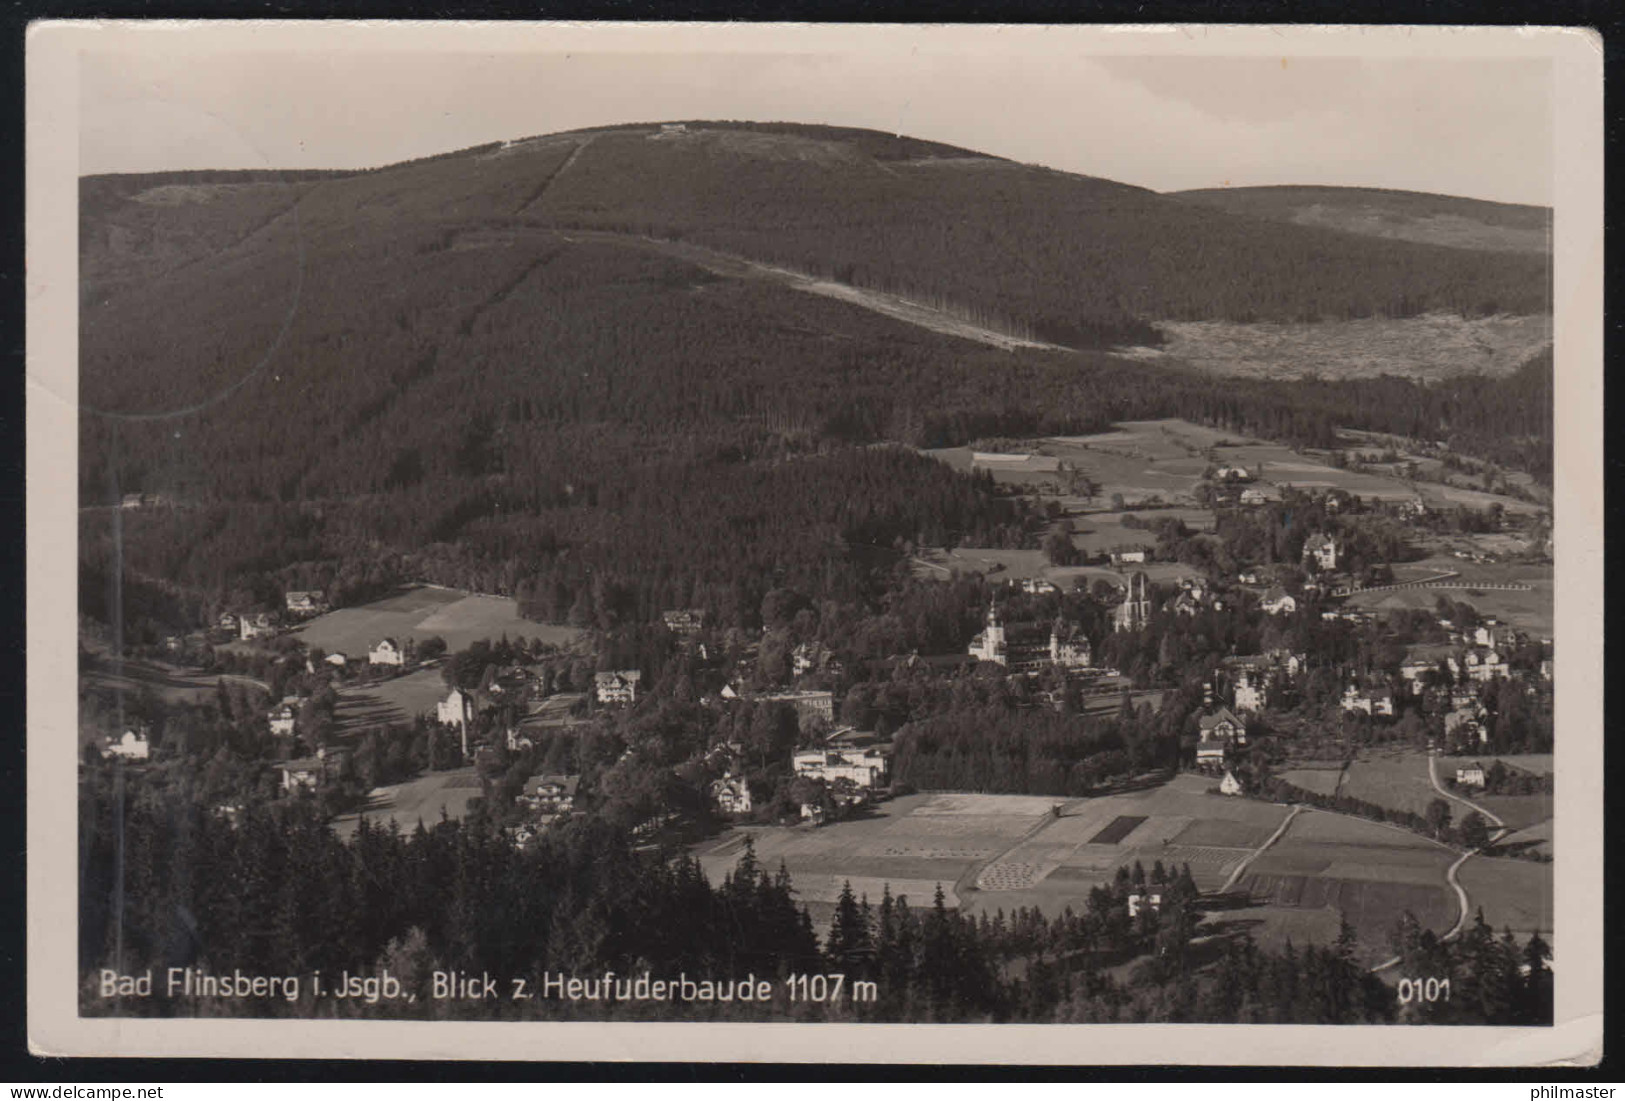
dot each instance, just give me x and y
(484, 358)
(1087, 259)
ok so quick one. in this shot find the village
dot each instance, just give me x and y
(1361, 661)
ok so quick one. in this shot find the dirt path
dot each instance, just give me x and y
(894, 306)
(1450, 875)
(1433, 778)
(552, 177)
(970, 876)
(1274, 837)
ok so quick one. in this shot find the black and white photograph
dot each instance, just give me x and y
(824, 525)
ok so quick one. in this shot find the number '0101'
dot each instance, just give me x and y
(1420, 990)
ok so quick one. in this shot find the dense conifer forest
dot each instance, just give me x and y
(275, 893)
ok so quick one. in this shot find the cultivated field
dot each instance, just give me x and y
(912, 843)
(1517, 811)
(1533, 611)
(423, 612)
(398, 700)
(424, 800)
(1515, 894)
(1016, 565)
(1538, 763)
(1433, 346)
(1001, 852)
(994, 852)
(1535, 839)
(1398, 781)
(1369, 872)
(1165, 459)
(1321, 781)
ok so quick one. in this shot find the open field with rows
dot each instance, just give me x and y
(1001, 852)
(993, 852)
(912, 843)
(1400, 781)
(1321, 781)
(1533, 839)
(1395, 780)
(1166, 459)
(1368, 871)
(423, 612)
(397, 700)
(1001, 564)
(1518, 811)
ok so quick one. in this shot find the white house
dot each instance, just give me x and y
(1485, 665)
(1377, 701)
(1137, 902)
(1279, 602)
(306, 603)
(683, 621)
(617, 686)
(1069, 646)
(133, 746)
(1229, 785)
(1251, 692)
(1471, 775)
(283, 716)
(255, 625)
(1382, 702)
(731, 795)
(1123, 557)
(1493, 633)
(550, 794)
(387, 652)
(813, 657)
(1322, 550)
(866, 767)
(1420, 665)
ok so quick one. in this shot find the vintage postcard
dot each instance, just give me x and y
(778, 543)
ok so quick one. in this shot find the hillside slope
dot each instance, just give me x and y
(1078, 260)
(1392, 215)
(486, 358)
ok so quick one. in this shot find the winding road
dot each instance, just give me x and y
(1501, 830)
